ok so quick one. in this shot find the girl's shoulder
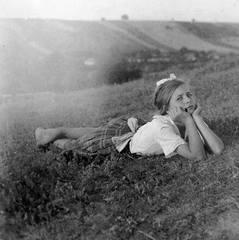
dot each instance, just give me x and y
(162, 119)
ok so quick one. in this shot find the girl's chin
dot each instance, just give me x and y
(190, 110)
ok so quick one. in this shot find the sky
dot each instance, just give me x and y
(178, 10)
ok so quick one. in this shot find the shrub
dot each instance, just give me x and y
(120, 73)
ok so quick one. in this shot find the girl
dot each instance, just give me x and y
(176, 129)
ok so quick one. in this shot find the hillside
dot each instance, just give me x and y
(48, 195)
(37, 55)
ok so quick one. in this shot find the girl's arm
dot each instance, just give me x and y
(194, 150)
(211, 139)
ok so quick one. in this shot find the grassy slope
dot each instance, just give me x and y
(59, 48)
(176, 35)
(67, 36)
(214, 33)
(121, 196)
(70, 36)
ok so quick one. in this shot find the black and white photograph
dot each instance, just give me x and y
(119, 119)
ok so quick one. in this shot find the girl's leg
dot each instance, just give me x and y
(45, 136)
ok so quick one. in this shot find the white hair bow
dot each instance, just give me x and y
(171, 77)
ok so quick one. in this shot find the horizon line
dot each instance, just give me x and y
(128, 20)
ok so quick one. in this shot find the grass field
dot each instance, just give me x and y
(51, 55)
(121, 196)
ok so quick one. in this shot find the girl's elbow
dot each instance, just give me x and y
(218, 149)
(199, 157)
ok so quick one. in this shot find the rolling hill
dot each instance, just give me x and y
(37, 54)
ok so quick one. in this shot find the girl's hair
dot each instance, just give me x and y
(164, 92)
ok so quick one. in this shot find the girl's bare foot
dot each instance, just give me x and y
(43, 137)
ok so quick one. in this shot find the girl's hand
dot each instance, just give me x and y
(178, 115)
(197, 110)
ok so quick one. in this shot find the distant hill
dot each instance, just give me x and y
(37, 55)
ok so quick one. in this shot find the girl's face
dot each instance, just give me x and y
(183, 98)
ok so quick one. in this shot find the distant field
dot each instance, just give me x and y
(175, 35)
(121, 196)
(231, 41)
(39, 55)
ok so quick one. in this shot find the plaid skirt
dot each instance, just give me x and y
(100, 140)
